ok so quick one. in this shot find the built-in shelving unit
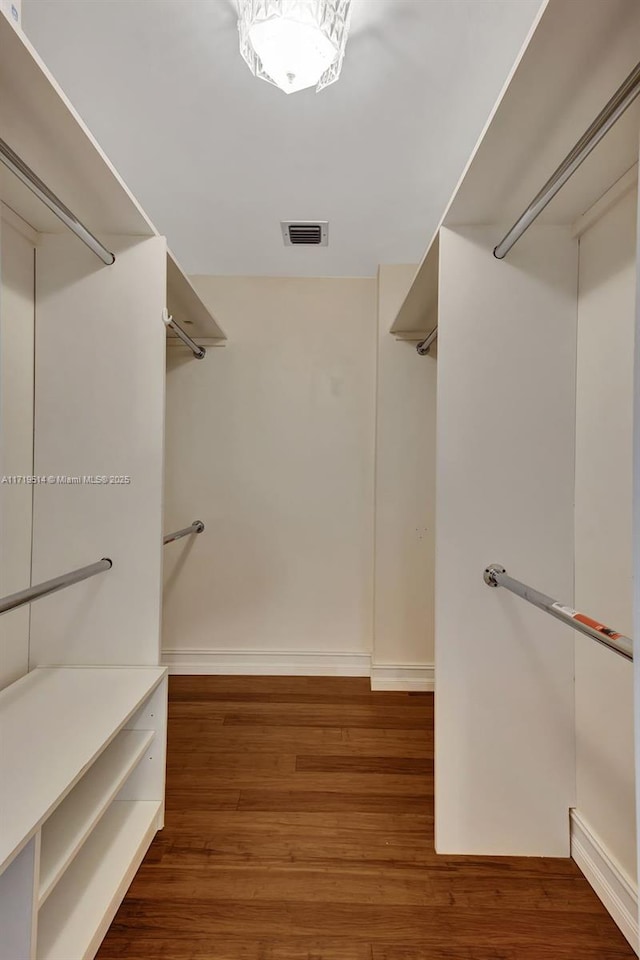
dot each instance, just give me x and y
(74, 740)
(529, 341)
(82, 743)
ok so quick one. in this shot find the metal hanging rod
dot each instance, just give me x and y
(41, 190)
(496, 576)
(196, 527)
(52, 586)
(425, 345)
(612, 112)
(198, 351)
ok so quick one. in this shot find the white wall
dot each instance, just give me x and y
(505, 765)
(405, 499)
(99, 411)
(270, 441)
(603, 518)
(16, 440)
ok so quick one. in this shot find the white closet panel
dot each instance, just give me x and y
(604, 433)
(100, 345)
(405, 499)
(16, 440)
(505, 471)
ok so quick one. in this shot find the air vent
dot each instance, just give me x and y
(314, 233)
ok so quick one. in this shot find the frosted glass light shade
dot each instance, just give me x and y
(294, 44)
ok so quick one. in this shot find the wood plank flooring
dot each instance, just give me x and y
(299, 826)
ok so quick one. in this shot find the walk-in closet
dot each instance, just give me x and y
(319, 538)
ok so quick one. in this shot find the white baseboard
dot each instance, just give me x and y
(384, 676)
(417, 677)
(613, 885)
(270, 664)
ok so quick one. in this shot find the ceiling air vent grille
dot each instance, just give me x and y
(314, 233)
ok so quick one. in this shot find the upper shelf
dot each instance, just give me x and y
(572, 63)
(39, 123)
(185, 305)
(418, 314)
(577, 58)
(41, 126)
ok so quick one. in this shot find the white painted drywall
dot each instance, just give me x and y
(16, 441)
(99, 411)
(405, 494)
(270, 441)
(603, 519)
(505, 764)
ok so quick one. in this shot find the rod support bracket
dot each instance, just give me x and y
(490, 574)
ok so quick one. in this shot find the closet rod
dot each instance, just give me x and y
(198, 352)
(496, 576)
(196, 527)
(41, 190)
(52, 586)
(424, 345)
(622, 98)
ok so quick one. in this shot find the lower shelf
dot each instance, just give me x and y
(77, 816)
(75, 918)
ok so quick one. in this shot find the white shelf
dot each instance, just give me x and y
(186, 307)
(67, 829)
(556, 89)
(39, 123)
(41, 126)
(577, 57)
(76, 916)
(419, 311)
(54, 723)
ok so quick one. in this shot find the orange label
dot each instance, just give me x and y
(600, 627)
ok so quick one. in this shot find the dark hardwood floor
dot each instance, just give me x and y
(299, 826)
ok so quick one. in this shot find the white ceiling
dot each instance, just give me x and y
(217, 158)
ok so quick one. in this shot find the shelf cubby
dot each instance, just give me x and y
(75, 918)
(67, 829)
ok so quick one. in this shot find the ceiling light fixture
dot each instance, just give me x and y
(294, 44)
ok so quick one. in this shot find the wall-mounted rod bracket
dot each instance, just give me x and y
(198, 351)
(424, 346)
(41, 190)
(490, 574)
(622, 98)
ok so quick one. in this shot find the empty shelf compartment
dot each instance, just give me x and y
(69, 826)
(77, 914)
